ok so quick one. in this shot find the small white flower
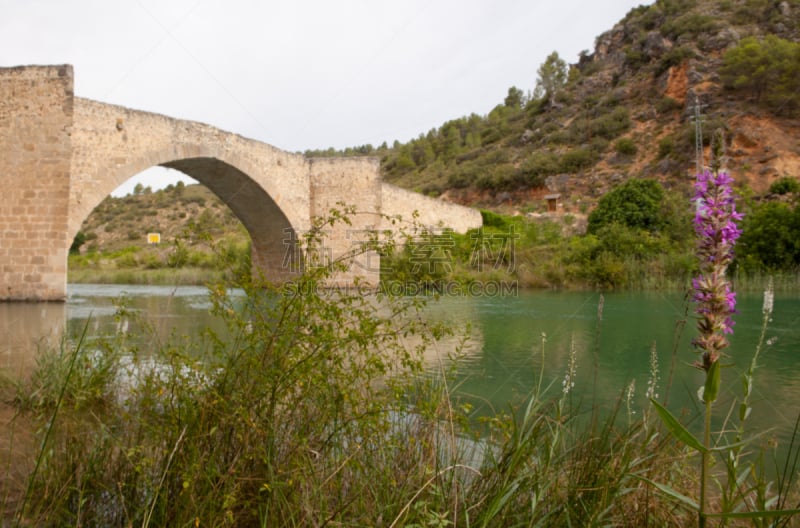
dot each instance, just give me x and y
(572, 366)
(769, 300)
(652, 382)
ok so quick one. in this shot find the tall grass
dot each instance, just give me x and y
(311, 411)
(161, 276)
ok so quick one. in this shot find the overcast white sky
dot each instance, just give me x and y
(303, 74)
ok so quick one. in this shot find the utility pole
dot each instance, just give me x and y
(698, 135)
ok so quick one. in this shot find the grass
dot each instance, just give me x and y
(276, 428)
(311, 411)
(162, 276)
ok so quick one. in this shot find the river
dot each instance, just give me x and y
(501, 363)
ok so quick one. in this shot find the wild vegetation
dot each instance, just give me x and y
(625, 110)
(621, 115)
(310, 410)
(113, 246)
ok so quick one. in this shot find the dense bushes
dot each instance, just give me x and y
(770, 239)
(640, 235)
(635, 204)
(785, 185)
(768, 71)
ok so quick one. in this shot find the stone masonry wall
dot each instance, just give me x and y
(36, 113)
(60, 156)
(113, 143)
(430, 212)
(265, 187)
(352, 182)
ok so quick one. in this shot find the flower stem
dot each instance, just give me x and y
(704, 465)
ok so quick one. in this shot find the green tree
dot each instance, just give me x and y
(552, 76)
(77, 242)
(785, 185)
(515, 97)
(768, 70)
(636, 203)
(770, 238)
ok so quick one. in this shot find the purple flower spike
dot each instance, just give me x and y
(717, 232)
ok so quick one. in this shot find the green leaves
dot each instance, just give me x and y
(679, 497)
(635, 203)
(552, 76)
(677, 429)
(768, 70)
(711, 389)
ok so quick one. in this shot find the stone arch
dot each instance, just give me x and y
(273, 228)
(62, 155)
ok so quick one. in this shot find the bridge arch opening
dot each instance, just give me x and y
(273, 240)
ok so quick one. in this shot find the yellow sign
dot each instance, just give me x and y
(153, 238)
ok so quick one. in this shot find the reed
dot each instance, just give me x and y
(312, 411)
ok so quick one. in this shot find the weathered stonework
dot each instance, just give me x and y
(36, 115)
(426, 212)
(62, 155)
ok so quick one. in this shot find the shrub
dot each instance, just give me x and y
(491, 219)
(667, 104)
(77, 242)
(691, 24)
(635, 203)
(666, 146)
(674, 57)
(598, 145)
(576, 160)
(635, 58)
(537, 166)
(463, 176)
(611, 124)
(785, 185)
(625, 147)
(490, 135)
(770, 238)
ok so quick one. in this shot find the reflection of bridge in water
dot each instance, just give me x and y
(26, 328)
(160, 313)
(61, 155)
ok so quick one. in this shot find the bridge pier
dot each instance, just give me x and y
(61, 155)
(35, 151)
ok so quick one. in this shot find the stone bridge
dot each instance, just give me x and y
(61, 155)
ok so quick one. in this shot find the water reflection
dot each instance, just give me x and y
(26, 328)
(501, 362)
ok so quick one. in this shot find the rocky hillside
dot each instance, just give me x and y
(178, 212)
(626, 110)
(623, 110)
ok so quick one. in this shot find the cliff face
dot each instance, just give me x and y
(673, 51)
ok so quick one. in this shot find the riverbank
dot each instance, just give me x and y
(186, 276)
(272, 429)
(197, 434)
(17, 455)
(462, 281)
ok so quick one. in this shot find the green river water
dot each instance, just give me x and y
(500, 364)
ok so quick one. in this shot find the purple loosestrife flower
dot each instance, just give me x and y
(715, 226)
